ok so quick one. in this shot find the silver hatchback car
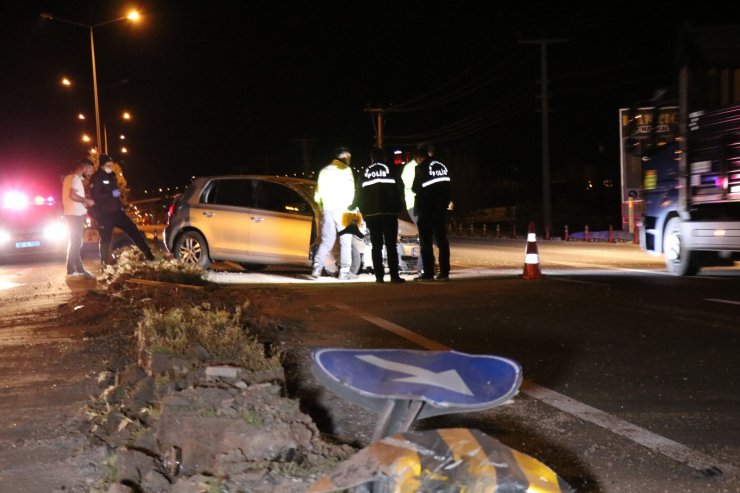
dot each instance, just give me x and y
(257, 221)
(251, 220)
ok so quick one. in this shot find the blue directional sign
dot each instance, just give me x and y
(444, 379)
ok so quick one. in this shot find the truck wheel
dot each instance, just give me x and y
(678, 260)
(191, 248)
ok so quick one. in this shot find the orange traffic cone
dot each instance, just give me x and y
(531, 256)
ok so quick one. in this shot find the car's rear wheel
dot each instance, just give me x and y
(191, 248)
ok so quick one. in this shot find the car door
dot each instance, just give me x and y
(281, 221)
(223, 216)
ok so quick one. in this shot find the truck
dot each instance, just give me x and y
(680, 156)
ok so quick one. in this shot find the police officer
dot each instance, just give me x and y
(432, 189)
(380, 201)
(109, 211)
(335, 193)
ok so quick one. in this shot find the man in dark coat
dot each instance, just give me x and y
(109, 212)
(380, 201)
(432, 189)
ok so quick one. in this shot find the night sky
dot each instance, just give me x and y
(225, 86)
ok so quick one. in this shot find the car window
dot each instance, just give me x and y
(238, 193)
(279, 198)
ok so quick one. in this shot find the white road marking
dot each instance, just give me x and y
(610, 267)
(693, 458)
(396, 329)
(730, 302)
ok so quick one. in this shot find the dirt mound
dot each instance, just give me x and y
(179, 425)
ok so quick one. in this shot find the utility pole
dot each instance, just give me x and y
(378, 114)
(546, 200)
(305, 151)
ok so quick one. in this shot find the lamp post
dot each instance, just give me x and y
(125, 116)
(132, 16)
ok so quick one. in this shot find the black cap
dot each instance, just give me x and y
(104, 158)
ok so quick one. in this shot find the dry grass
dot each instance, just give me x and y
(164, 268)
(203, 333)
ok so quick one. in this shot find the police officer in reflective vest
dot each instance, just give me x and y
(432, 188)
(380, 200)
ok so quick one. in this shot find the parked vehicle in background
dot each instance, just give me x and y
(150, 215)
(685, 153)
(31, 227)
(252, 220)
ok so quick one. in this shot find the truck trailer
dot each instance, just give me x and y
(681, 156)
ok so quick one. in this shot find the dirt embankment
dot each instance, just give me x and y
(83, 415)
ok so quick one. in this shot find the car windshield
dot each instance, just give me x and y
(307, 188)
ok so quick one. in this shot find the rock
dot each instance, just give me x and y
(120, 488)
(215, 372)
(155, 482)
(129, 376)
(132, 465)
(216, 427)
(158, 363)
(106, 378)
(196, 484)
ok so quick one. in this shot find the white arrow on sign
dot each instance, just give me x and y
(448, 379)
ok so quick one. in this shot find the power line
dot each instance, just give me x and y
(476, 123)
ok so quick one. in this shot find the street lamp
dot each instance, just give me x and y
(125, 116)
(132, 16)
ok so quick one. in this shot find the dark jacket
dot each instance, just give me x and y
(105, 192)
(379, 191)
(431, 186)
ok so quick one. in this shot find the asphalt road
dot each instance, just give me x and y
(631, 375)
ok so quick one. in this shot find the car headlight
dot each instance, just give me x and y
(4, 236)
(56, 231)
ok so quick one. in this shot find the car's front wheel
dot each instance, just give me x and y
(191, 248)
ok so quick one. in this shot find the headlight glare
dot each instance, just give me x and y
(56, 231)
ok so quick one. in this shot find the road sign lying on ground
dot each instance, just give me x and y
(448, 381)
